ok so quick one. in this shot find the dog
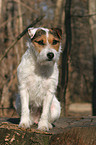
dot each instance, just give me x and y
(38, 79)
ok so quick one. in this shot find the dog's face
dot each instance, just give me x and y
(47, 44)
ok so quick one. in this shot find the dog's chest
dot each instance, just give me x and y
(39, 86)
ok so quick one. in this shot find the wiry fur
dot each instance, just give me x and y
(38, 80)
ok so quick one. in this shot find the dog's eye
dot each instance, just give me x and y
(55, 42)
(40, 42)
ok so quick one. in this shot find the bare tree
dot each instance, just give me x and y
(92, 9)
(0, 9)
(16, 15)
(64, 60)
(58, 13)
(13, 25)
(20, 25)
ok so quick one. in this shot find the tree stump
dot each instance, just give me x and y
(66, 131)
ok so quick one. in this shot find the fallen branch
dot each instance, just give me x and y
(20, 36)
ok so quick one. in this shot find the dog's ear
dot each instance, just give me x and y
(32, 31)
(58, 32)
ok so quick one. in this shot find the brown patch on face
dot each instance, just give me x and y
(54, 41)
(39, 33)
(56, 32)
(39, 42)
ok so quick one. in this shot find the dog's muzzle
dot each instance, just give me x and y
(50, 56)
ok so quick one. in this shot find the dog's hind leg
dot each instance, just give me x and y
(55, 110)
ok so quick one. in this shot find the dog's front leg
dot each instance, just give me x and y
(43, 123)
(25, 118)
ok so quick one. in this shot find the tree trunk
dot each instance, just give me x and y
(20, 26)
(0, 9)
(92, 9)
(58, 13)
(65, 57)
(81, 73)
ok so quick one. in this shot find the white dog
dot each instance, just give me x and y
(38, 79)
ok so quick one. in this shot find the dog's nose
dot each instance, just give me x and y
(50, 55)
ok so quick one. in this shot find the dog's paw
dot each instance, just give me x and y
(44, 125)
(43, 128)
(25, 123)
(50, 126)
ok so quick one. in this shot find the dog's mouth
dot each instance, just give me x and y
(47, 62)
(49, 59)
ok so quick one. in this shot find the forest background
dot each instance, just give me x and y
(77, 65)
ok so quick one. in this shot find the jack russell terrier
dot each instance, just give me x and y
(38, 79)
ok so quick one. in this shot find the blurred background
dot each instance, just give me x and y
(77, 19)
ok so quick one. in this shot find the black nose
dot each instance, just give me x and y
(50, 55)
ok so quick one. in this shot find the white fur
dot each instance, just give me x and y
(38, 80)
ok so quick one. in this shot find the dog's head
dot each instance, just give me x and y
(47, 44)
